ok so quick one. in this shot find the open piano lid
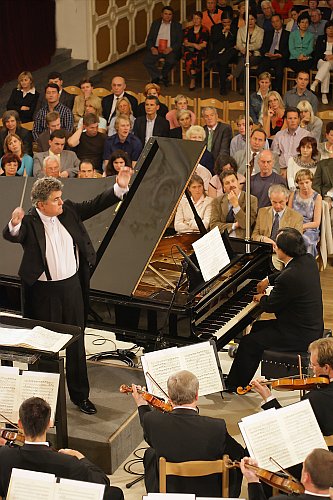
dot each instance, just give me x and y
(165, 167)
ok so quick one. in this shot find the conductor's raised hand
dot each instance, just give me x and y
(17, 216)
(124, 176)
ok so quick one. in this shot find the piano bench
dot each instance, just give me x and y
(278, 364)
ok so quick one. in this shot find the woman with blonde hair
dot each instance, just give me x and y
(14, 144)
(152, 89)
(197, 133)
(184, 119)
(93, 105)
(123, 107)
(273, 114)
(313, 124)
(181, 102)
(24, 98)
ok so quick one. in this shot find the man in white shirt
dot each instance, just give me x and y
(56, 265)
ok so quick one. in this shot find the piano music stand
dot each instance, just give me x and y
(44, 361)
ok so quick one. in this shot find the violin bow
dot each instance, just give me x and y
(157, 385)
(283, 470)
(9, 421)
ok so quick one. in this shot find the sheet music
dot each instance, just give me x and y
(68, 489)
(41, 384)
(200, 359)
(26, 484)
(211, 254)
(160, 365)
(9, 383)
(38, 338)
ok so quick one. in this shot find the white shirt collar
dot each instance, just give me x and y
(44, 443)
(46, 218)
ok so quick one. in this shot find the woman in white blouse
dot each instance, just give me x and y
(324, 54)
(184, 218)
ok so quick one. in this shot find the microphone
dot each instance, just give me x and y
(188, 260)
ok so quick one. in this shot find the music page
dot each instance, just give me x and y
(211, 254)
(26, 484)
(38, 338)
(41, 384)
(68, 489)
(160, 365)
(9, 383)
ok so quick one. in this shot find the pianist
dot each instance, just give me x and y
(297, 303)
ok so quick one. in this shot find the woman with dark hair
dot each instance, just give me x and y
(301, 45)
(14, 144)
(307, 158)
(194, 47)
(117, 160)
(184, 218)
(24, 98)
(11, 124)
(324, 61)
(10, 164)
(223, 163)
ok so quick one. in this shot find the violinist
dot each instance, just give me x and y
(184, 435)
(317, 477)
(37, 455)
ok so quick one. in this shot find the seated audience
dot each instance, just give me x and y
(257, 144)
(197, 133)
(282, 7)
(317, 26)
(218, 134)
(118, 159)
(300, 92)
(324, 62)
(226, 6)
(153, 89)
(14, 144)
(301, 45)
(53, 103)
(10, 163)
(88, 142)
(212, 15)
(328, 11)
(257, 98)
(69, 162)
(308, 203)
(151, 125)
(87, 170)
(238, 19)
(195, 48)
(118, 88)
(313, 124)
(292, 24)
(229, 210)
(53, 123)
(265, 178)
(164, 41)
(79, 107)
(286, 141)
(124, 140)
(223, 163)
(273, 114)
(24, 98)
(238, 141)
(307, 157)
(37, 455)
(93, 105)
(64, 97)
(325, 149)
(275, 52)
(11, 124)
(184, 218)
(123, 107)
(323, 182)
(51, 167)
(181, 102)
(264, 19)
(184, 119)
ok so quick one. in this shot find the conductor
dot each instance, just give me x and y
(55, 269)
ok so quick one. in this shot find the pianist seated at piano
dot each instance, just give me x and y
(228, 210)
(184, 218)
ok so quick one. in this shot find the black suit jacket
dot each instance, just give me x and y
(283, 44)
(161, 128)
(218, 41)
(320, 48)
(176, 34)
(296, 301)
(256, 492)
(107, 103)
(221, 139)
(323, 178)
(184, 435)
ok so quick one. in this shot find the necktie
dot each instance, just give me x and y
(210, 140)
(275, 226)
(252, 162)
(274, 42)
(230, 216)
(113, 109)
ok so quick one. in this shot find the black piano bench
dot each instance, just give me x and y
(279, 364)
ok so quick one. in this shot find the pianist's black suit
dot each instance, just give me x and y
(297, 303)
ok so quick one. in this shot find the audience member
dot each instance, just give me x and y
(184, 218)
(109, 102)
(261, 182)
(324, 62)
(275, 52)
(229, 210)
(222, 164)
(265, 19)
(301, 45)
(195, 48)
(87, 170)
(282, 7)
(238, 141)
(24, 98)
(323, 183)
(317, 26)
(286, 141)
(257, 144)
(153, 89)
(93, 105)
(325, 149)
(328, 11)
(300, 92)
(51, 167)
(123, 107)
(118, 159)
(64, 97)
(14, 144)
(88, 142)
(226, 6)
(52, 123)
(257, 98)
(307, 157)
(151, 125)
(52, 104)
(218, 134)
(10, 163)
(292, 23)
(79, 107)
(181, 102)
(313, 124)
(212, 16)
(124, 140)
(184, 119)
(238, 19)
(69, 162)
(164, 41)
(11, 124)
(273, 114)
(197, 133)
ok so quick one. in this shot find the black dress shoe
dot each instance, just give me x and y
(86, 406)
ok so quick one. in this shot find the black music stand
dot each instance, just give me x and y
(43, 361)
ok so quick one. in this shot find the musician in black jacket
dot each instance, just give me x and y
(223, 41)
(275, 52)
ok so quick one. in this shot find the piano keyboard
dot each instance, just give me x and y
(230, 312)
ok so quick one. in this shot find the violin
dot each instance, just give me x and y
(13, 436)
(290, 384)
(285, 483)
(154, 401)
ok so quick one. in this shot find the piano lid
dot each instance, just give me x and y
(166, 167)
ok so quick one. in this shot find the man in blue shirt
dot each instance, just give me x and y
(123, 140)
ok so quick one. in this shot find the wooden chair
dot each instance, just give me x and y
(1, 124)
(237, 106)
(219, 105)
(192, 103)
(182, 69)
(172, 72)
(196, 468)
(28, 125)
(101, 92)
(325, 115)
(288, 76)
(213, 71)
(72, 89)
(329, 440)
